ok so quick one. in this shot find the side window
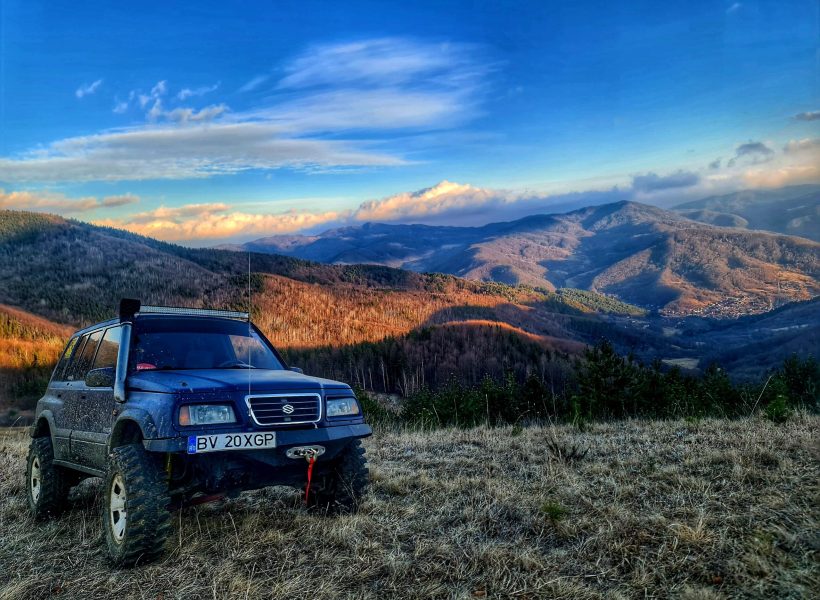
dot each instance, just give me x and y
(59, 371)
(75, 358)
(109, 348)
(83, 361)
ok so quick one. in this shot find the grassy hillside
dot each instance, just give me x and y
(710, 509)
(29, 348)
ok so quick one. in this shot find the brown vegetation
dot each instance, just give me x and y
(29, 349)
(708, 509)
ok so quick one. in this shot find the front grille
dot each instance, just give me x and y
(285, 409)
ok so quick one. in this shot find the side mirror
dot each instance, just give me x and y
(297, 370)
(100, 377)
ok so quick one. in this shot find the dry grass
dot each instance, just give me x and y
(655, 509)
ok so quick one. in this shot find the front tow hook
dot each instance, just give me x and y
(306, 452)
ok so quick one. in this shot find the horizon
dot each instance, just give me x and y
(444, 117)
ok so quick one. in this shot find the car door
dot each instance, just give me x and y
(96, 403)
(75, 400)
(58, 390)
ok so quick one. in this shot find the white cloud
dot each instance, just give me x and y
(375, 87)
(173, 152)
(382, 62)
(254, 83)
(154, 96)
(88, 88)
(200, 91)
(55, 202)
(191, 115)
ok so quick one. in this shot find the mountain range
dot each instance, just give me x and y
(793, 210)
(654, 258)
(364, 323)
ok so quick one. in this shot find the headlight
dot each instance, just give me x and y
(342, 407)
(206, 414)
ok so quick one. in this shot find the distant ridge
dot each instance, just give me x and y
(642, 254)
(793, 210)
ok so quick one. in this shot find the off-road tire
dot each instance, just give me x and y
(340, 490)
(143, 490)
(46, 499)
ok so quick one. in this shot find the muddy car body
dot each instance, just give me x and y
(187, 403)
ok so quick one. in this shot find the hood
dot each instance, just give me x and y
(229, 380)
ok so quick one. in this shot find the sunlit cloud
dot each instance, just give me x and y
(781, 176)
(197, 222)
(463, 204)
(59, 203)
(444, 198)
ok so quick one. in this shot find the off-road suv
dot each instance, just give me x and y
(170, 406)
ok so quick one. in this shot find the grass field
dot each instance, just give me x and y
(707, 509)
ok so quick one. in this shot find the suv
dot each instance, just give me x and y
(171, 406)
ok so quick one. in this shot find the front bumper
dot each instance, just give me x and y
(285, 438)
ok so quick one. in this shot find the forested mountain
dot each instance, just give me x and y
(387, 329)
(793, 210)
(641, 254)
(74, 273)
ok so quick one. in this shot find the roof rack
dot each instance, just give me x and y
(192, 312)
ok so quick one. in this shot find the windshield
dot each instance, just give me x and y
(167, 343)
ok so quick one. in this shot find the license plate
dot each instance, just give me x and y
(198, 444)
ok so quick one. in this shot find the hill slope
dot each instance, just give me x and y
(29, 348)
(793, 210)
(642, 254)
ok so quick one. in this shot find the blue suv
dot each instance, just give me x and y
(171, 406)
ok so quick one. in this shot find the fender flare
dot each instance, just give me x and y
(46, 415)
(140, 418)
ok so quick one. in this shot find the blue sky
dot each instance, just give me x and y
(217, 121)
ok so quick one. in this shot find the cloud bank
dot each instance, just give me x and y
(59, 203)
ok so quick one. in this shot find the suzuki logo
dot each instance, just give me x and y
(287, 409)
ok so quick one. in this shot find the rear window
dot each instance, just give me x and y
(82, 361)
(59, 371)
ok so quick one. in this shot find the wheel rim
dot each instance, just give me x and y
(117, 509)
(36, 480)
